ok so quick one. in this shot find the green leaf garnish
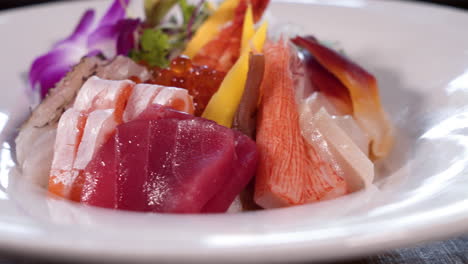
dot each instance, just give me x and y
(187, 10)
(154, 48)
(156, 10)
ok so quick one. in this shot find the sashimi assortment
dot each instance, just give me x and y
(197, 109)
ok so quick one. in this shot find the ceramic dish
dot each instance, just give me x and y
(419, 54)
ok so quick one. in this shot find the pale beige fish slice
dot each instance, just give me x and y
(355, 167)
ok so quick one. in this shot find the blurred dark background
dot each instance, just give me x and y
(4, 4)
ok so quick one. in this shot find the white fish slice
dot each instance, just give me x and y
(356, 168)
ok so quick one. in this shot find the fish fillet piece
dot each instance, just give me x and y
(39, 131)
(357, 169)
(141, 97)
(363, 90)
(169, 161)
(144, 95)
(36, 166)
(122, 68)
(349, 125)
(328, 85)
(243, 169)
(317, 100)
(175, 98)
(100, 178)
(290, 170)
(98, 93)
(98, 109)
(69, 132)
(100, 125)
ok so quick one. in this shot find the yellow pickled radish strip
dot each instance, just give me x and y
(210, 28)
(223, 105)
(248, 29)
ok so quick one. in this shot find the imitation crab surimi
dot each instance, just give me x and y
(302, 175)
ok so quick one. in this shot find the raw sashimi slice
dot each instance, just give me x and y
(290, 170)
(328, 85)
(243, 170)
(123, 68)
(363, 90)
(173, 163)
(317, 100)
(99, 127)
(176, 98)
(100, 181)
(39, 131)
(142, 96)
(349, 125)
(157, 111)
(355, 166)
(36, 167)
(133, 146)
(98, 93)
(192, 169)
(69, 133)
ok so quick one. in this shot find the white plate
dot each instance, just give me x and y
(419, 53)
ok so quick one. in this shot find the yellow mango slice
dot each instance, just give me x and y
(211, 27)
(248, 29)
(223, 105)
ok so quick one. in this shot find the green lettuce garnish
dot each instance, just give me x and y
(165, 38)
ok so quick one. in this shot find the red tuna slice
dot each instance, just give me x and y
(99, 188)
(133, 144)
(187, 172)
(171, 162)
(243, 170)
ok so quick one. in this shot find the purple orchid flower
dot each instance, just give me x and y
(114, 35)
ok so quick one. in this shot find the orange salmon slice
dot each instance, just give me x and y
(99, 94)
(69, 132)
(144, 95)
(97, 110)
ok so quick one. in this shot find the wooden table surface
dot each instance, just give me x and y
(453, 251)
